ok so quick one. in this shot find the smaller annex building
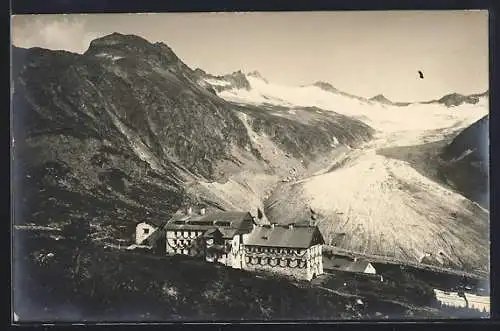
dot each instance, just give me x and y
(349, 265)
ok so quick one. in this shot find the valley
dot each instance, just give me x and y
(388, 196)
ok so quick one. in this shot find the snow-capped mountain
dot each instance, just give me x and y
(379, 112)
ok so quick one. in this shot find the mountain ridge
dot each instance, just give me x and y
(450, 100)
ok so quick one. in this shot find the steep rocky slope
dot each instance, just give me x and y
(466, 162)
(126, 132)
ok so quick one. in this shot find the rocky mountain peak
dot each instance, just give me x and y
(257, 74)
(456, 99)
(238, 80)
(325, 86)
(381, 98)
(118, 39)
(200, 72)
(117, 46)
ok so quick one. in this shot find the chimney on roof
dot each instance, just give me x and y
(202, 211)
(189, 210)
(314, 217)
(259, 214)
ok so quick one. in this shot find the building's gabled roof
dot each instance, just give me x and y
(345, 264)
(358, 266)
(240, 222)
(283, 236)
(212, 233)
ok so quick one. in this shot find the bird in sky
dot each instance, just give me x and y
(421, 74)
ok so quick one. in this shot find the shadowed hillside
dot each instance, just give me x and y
(118, 133)
(466, 162)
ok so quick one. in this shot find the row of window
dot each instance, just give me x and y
(187, 234)
(181, 244)
(274, 262)
(258, 249)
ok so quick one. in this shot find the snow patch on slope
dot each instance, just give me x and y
(218, 82)
(109, 56)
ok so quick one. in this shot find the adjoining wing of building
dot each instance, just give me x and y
(236, 239)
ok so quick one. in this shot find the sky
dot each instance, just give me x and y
(363, 53)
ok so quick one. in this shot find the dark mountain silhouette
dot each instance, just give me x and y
(235, 80)
(382, 99)
(326, 87)
(456, 99)
(330, 88)
(257, 74)
(466, 162)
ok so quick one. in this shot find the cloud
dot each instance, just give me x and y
(57, 32)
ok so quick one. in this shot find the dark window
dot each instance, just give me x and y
(146, 231)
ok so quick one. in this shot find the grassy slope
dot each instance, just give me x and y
(114, 286)
(132, 286)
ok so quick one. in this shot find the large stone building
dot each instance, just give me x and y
(236, 239)
(293, 250)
